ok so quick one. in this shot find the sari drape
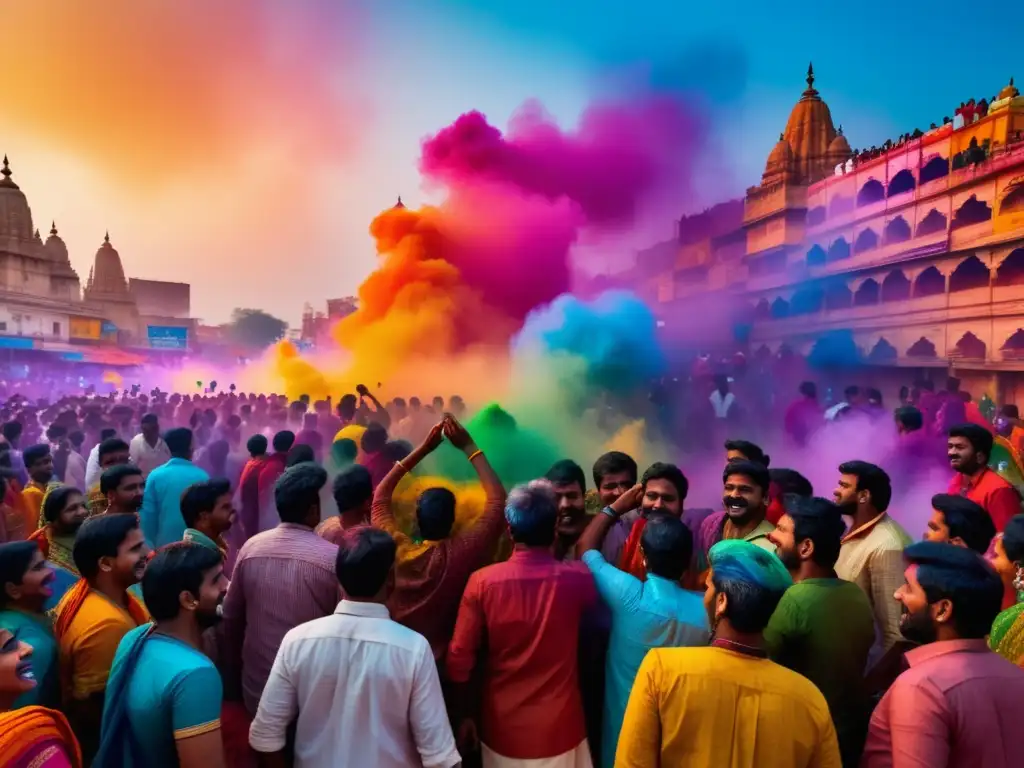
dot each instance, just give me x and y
(26, 733)
(117, 742)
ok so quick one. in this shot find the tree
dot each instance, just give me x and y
(255, 328)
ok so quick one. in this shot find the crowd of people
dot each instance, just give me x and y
(226, 580)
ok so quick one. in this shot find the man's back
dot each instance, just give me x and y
(282, 578)
(366, 692)
(160, 515)
(716, 707)
(958, 706)
(524, 615)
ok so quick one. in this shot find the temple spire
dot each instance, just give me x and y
(810, 74)
(7, 169)
(106, 237)
(7, 181)
(399, 204)
(53, 228)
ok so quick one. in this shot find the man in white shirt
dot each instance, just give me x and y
(93, 470)
(147, 449)
(363, 688)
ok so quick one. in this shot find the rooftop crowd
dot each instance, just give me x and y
(233, 580)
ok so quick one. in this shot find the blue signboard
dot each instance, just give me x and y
(15, 342)
(167, 337)
(108, 328)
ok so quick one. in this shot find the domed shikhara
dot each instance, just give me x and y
(15, 215)
(780, 163)
(839, 150)
(107, 276)
(1009, 92)
(810, 133)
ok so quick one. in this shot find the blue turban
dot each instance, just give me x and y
(738, 560)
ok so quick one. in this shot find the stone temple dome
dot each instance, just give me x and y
(55, 247)
(1009, 92)
(780, 163)
(15, 216)
(810, 133)
(107, 275)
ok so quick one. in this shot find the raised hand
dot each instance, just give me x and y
(434, 437)
(457, 434)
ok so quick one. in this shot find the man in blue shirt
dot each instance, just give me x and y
(654, 613)
(163, 700)
(160, 517)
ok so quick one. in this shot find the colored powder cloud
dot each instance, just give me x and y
(456, 281)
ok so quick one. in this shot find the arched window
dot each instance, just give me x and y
(840, 249)
(871, 192)
(929, 283)
(933, 222)
(934, 169)
(816, 216)
(838, 296)
(970, 273)
(867, 294)
(840, 204)
(1013, 349)
(970, 346)
(973, 211)
(1014, 199)
(780, 308)
(816, 256)
(922, 348)
(866, 240)
(901, 182)
(882, 352)
(1011, 271)
(763, 310)
(806, 301)
(897, 231)
(895, 287)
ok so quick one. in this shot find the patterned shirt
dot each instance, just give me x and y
(282, 578)
(872, 557)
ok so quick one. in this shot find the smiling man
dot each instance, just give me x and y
(745, 501)
(570, 487)
(663, 490)
(969, 448)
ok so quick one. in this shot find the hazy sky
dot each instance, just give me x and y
(244, 145)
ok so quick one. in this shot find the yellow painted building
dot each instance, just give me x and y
(915, 248)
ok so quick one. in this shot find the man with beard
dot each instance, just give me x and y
(663, 490)
(823, 627)
(121, 486)
(163, 702)
(39, 465)
(570, 487)
(208, 514)
(970, 447)
(745, 499)
(871, 554)
(110, 553)
(728, 705)
(959, 704)
(615, 473)
(959, 521)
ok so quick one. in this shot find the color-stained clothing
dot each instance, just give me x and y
(994, 494)
(96, 501)
(160, 516)
(148, 457)
(722, 709)
(249, 496)
(37, 631)
(958, 706)
(33, 495)
(802, 419)
(432, 575)
(520, 621)
(824, 629)
(282, 578)
(712, 530)
(88, 628)
(656, 613)
(872, 557)
(56, 549)
(37, 737)
(1007, 636)
(161, 690)
(363, 691)
(378, 464)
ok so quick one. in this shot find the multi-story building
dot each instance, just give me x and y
(908, 255)
(44, 309)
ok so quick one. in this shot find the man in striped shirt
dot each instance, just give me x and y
(282, 578)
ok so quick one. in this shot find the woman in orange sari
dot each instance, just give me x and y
(30, 737)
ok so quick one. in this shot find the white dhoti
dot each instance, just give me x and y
(574, 758)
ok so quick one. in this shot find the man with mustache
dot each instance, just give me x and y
(570, 487)
(959, 704)
(662, 491)
(745, 502)
(969, 448)
(164, 696)
(871, 555)
(823, 627)
(122, 488)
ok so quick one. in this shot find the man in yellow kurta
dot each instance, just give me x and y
(110, 553)
(728, 705)
(39, 465)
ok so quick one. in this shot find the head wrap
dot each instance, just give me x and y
(738, 560)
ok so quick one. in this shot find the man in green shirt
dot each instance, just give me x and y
(208, 513)
(823, 627)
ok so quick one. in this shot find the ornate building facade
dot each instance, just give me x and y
(43, 307)
(912, 252)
